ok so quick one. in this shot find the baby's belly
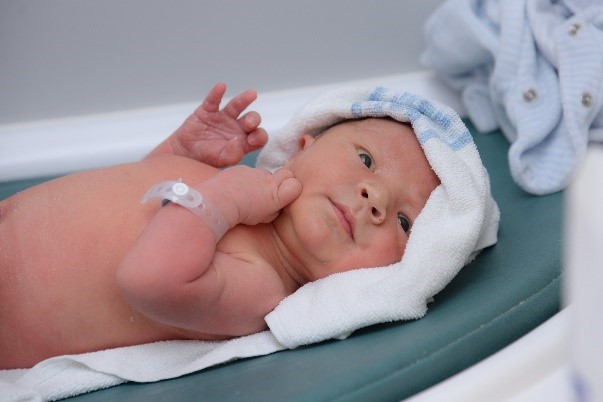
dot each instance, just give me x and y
(60, 245)
(69, 303)
(58, 294)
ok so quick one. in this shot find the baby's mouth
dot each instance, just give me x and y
(345, 218)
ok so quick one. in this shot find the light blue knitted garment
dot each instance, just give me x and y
(534, 68)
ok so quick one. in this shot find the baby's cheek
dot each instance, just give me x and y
(390, 250)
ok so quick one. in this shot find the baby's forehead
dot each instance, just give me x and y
(378, 128)
(374, 122)
(395, 139)
(368, 126)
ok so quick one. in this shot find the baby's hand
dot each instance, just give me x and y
(220, 137)
(255, 195)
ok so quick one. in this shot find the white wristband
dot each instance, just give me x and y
(181, 194)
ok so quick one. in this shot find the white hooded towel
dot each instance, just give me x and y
(459, 219)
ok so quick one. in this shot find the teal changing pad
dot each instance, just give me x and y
(507, 291)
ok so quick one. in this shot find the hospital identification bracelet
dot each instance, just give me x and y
(181, 194)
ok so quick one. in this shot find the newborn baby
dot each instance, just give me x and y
(85, 266)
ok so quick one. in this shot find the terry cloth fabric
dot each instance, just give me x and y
(534, 68)
(459, 219)
(65, 376)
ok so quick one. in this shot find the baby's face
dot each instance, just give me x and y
(364, 184)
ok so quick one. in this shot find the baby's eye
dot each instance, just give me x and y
(365, 158)
(404, 222)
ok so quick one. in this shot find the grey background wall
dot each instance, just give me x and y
(70, 57)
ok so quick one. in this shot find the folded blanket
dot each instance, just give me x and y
(459, 219)
(534, 68)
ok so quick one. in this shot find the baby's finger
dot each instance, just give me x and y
(211, 103)
(257, 138)
(236, 105)
(250, 121)
(282, 174)
(288, 191)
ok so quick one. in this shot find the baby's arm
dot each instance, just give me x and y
(217, 137)
(171, 275)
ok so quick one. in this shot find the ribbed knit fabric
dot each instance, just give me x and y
(534, 68)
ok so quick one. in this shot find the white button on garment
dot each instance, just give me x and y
(180, 189)
(587, 99)
(529, 95)
(574, 29)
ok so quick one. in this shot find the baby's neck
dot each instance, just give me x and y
(285, 262)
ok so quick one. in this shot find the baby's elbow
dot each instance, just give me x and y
(127, 284)
(138, 289)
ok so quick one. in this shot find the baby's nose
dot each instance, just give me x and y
(376, 198)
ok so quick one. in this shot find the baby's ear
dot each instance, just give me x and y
(305, 141)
